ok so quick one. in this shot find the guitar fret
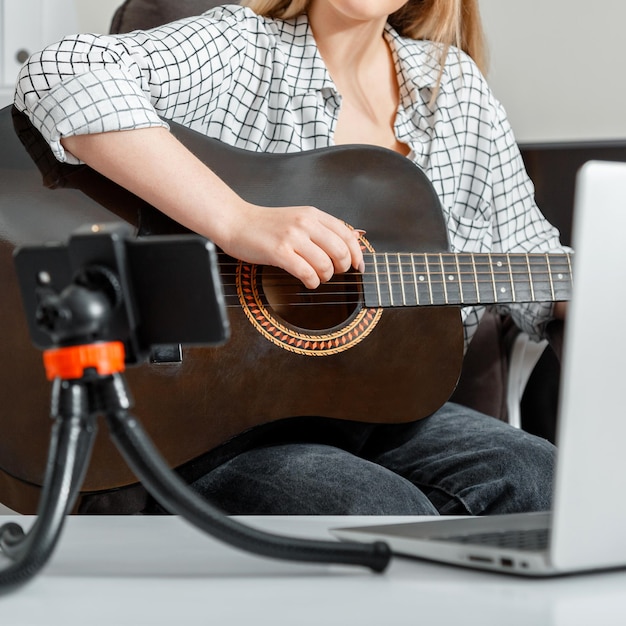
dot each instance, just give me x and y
(396, 273)
(561, 272)
(493, 279)
(394, 276)
(421, 279)
(430, 284)
(389, 283)
(508, 260)
(519, 278)
(408, 279)
(476, 278)
(569, 265)
(550, 276)
(377, 280)
(451, 278)
(542, 291)
(485, 279)
(443, 280)
(501, 278)
(422, 282)
(404, 302)
(467, 278)
(569, 272)
(417, 294)
(437, 280)
(530, 279)
(458, 273)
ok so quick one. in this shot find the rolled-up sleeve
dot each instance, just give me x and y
(98, 83)
(87, 84)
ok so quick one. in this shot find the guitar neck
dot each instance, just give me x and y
(436, 279)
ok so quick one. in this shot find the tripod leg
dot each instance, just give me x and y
(69, 451)
(178, 498)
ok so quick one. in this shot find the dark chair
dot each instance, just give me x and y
(144, 14)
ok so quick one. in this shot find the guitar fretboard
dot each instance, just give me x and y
(409, 279)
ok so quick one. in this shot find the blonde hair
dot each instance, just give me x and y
(447, 22)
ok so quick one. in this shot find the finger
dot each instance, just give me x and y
(321, 240)
(334, 247)
(299, 253)
(350, 238)
(358, 263)
(299, 267)
(318, 257)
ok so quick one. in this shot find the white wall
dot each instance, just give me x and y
(558, 66)
(94, 16)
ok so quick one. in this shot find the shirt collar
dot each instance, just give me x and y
(417, 62)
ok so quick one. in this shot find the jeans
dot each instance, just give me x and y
(454, 462)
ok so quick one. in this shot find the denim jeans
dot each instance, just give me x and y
(455, 462)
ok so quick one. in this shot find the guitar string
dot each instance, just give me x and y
(437, 278)
(437, 272)
(439, 296)
(485, 291)
(434, 269)
(498, 259)
(233, 302)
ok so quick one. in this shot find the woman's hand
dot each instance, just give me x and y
(304, 241)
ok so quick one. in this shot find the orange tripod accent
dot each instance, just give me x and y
(71, 362)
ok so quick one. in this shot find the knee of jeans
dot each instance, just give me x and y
(533, 456)
(310, 480)
(528, 475)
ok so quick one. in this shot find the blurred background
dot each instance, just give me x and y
(557, 65)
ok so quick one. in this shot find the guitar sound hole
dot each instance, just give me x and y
(328, 306)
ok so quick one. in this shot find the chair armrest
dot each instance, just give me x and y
(554, 333)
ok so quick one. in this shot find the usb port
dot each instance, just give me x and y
(506, 562)
(480, 559)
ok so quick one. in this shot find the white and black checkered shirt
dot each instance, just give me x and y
(260, 84)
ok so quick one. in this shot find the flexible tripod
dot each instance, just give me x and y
(87, 381)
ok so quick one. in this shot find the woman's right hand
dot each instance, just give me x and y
(306, 242)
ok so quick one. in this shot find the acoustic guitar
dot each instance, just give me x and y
(384, 346)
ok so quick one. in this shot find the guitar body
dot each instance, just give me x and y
(374, 365)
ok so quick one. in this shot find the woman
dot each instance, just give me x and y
(284, 76)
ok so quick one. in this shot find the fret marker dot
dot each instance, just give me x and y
(502, 290)
(450, 277)
(421, 278)
(560, 276)
(499, 263)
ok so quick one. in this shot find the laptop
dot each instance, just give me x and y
(586, 529)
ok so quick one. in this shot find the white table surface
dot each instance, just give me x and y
(115, 571)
